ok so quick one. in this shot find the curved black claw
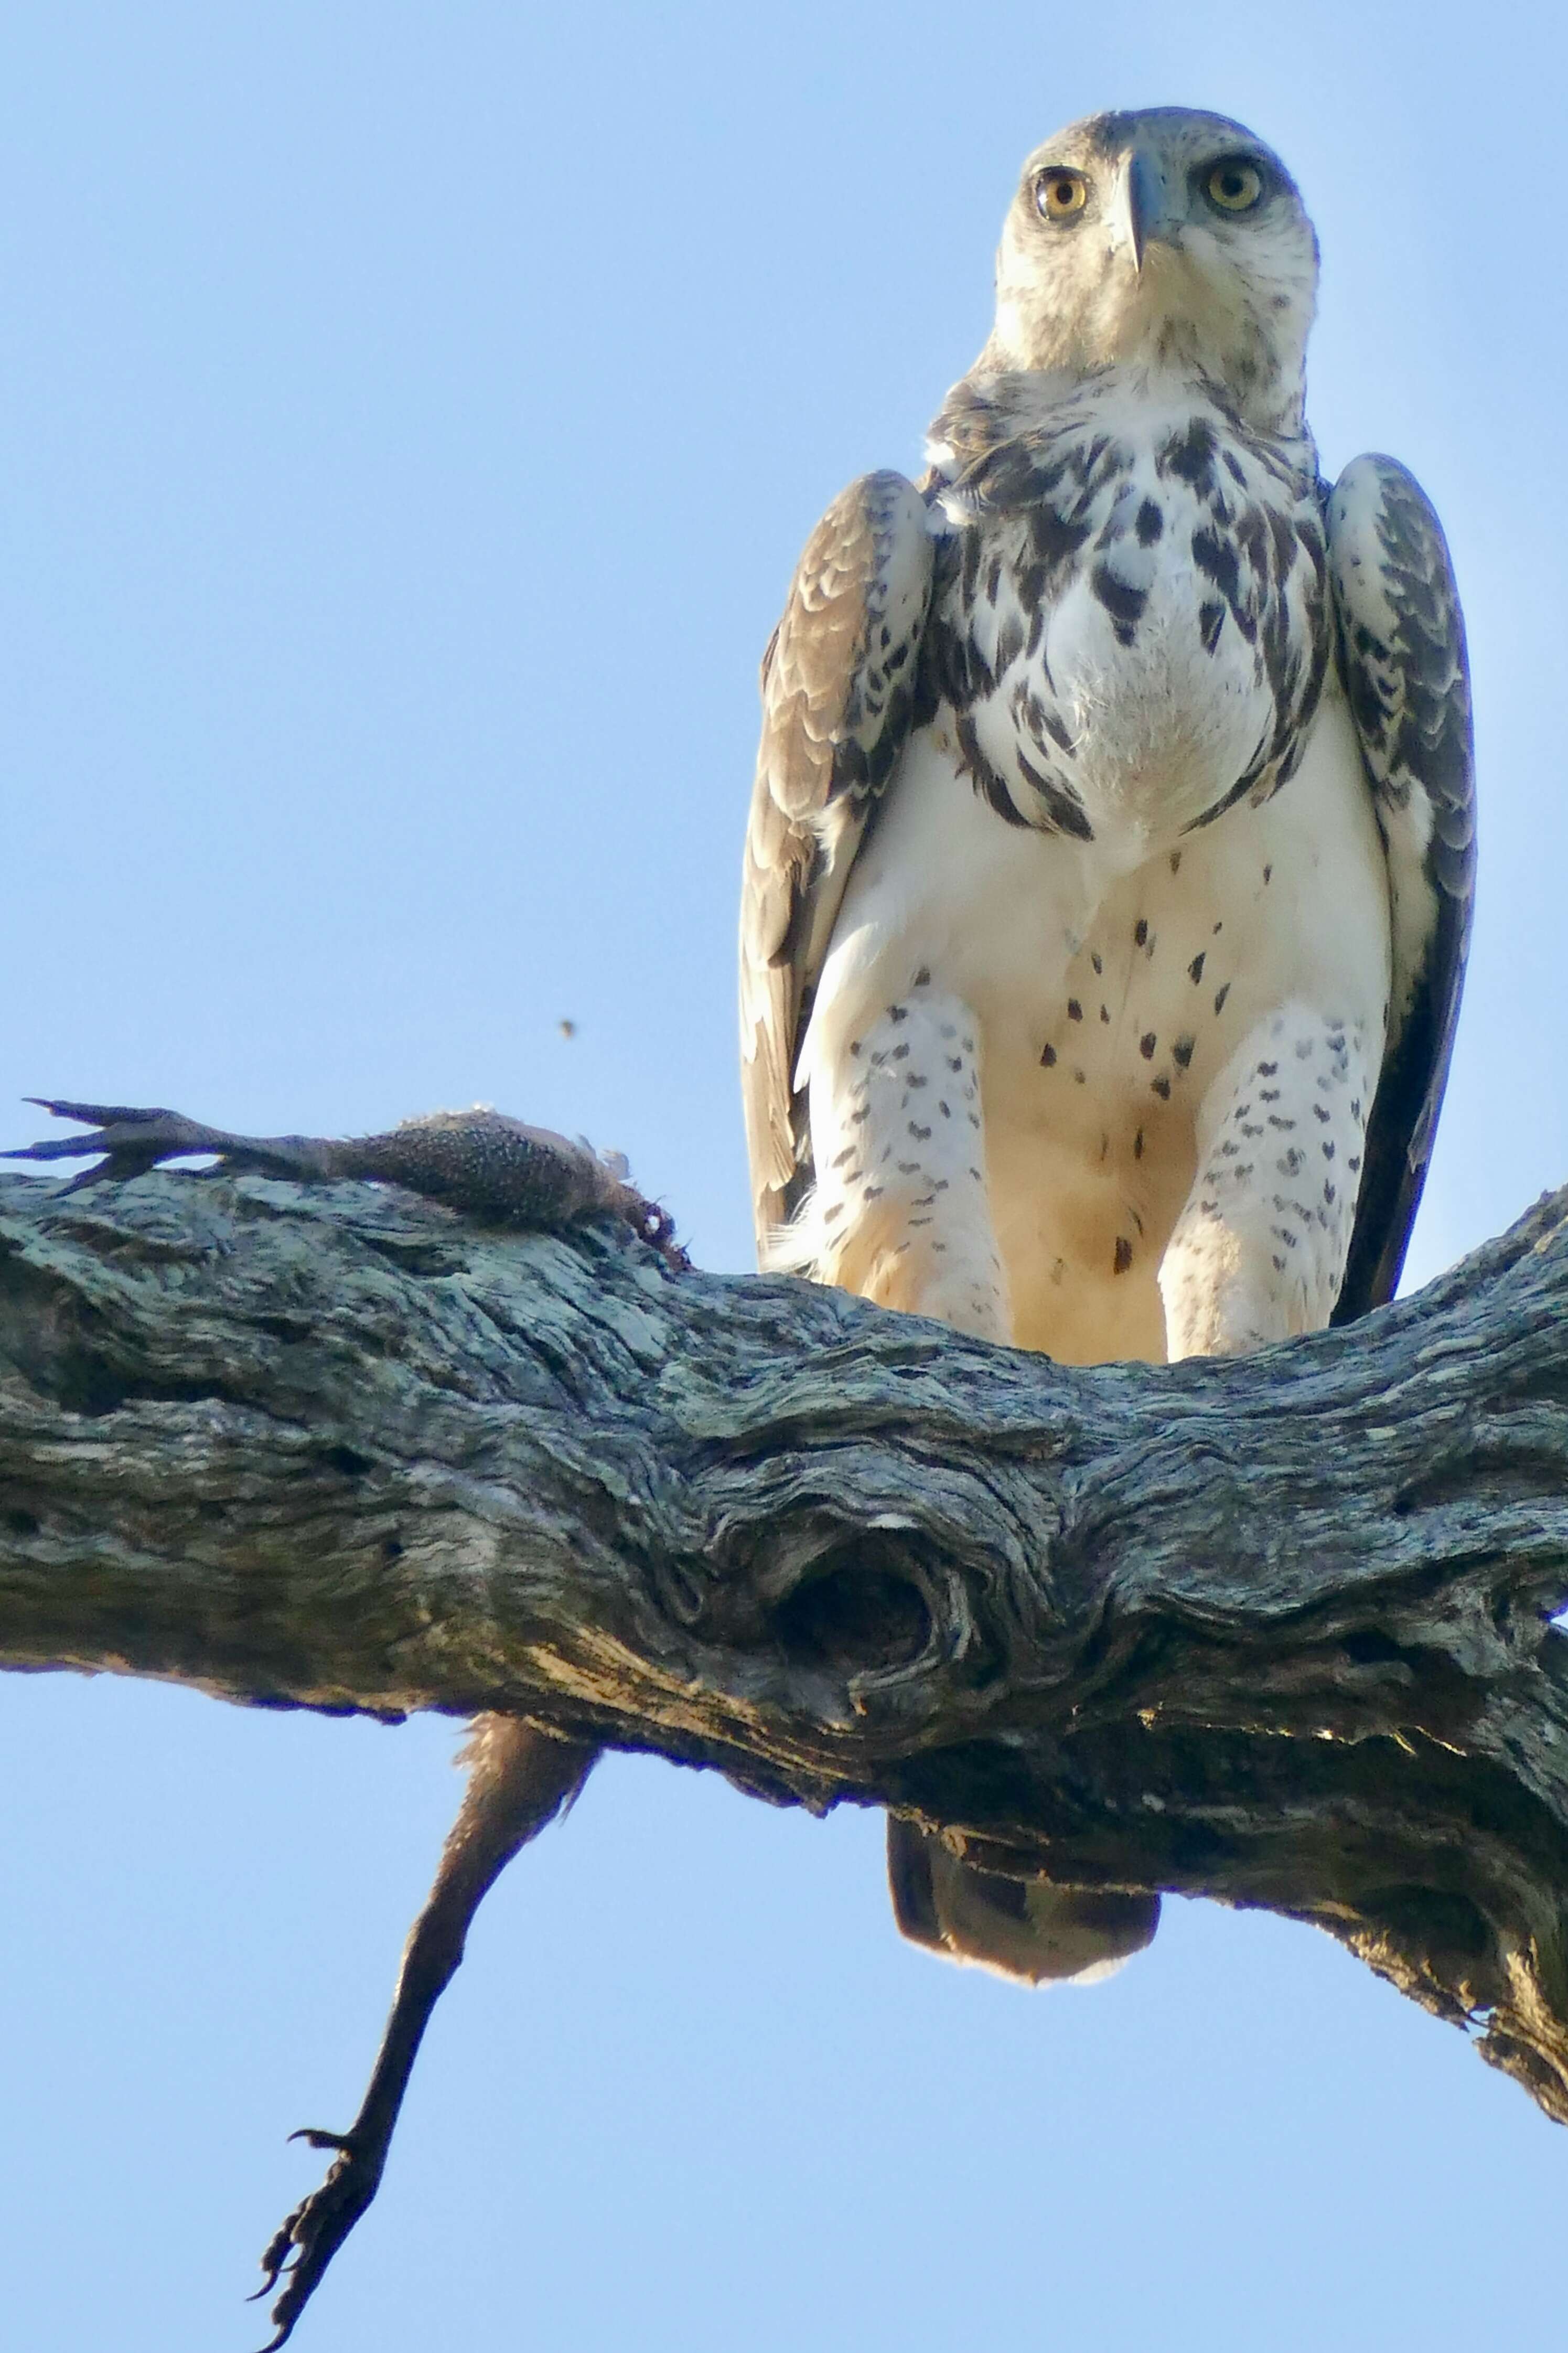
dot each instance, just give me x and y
(299, 2250)
(131, 1140)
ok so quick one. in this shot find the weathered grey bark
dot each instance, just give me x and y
(1272, 1631)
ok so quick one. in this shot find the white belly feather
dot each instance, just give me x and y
(1110, 995)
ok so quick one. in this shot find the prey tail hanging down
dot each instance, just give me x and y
(520, 1778)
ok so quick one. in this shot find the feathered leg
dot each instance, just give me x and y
(1258, 1253)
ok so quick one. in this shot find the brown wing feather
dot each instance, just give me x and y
(838, 692)
(1402, 651)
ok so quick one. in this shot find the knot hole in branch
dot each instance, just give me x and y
(861, 1607)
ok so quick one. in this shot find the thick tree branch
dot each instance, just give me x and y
(1274, 1632)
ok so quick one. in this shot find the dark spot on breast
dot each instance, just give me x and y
(1080, 1078)
(1211, 620)
(1125, 605)
(1138, 1145)
(1097, 961)
(1220, 996)
(1063, 807)
(1123, 1258)
(1049, 1059)
(1189, 454)
(1010, 639)
(1151, 524)
(1268, 874)
(922, 978)
(1182, 1052)
(1216, 560)
(1146, 1045)
(898, 1012)
(1162, 1089)
(986, 779)
(1074, 1011)
(1105, 1013)
(1175, 861)
(1139, 933)
(1196, 969)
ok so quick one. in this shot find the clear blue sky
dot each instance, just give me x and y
(411, 414)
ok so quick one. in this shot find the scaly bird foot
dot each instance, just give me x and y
(134, 1141)
(300, 2250)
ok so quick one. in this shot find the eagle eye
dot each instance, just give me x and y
(1235, 184)
(1060, 195)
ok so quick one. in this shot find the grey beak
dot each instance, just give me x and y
(1145, 203)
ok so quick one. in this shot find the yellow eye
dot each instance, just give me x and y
(1233, 184)
(1059, 195)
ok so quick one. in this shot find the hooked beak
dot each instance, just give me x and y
(1144, 204)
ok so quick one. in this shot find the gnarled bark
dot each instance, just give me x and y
(1274, 1632)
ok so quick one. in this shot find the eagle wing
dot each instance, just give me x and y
(838, 700)
(1401, 652)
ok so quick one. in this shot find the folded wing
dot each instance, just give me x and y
(838, 701)
(1402, 648)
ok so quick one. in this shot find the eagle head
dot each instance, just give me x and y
(1165, 237)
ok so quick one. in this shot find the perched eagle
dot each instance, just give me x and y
(1109, 872)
